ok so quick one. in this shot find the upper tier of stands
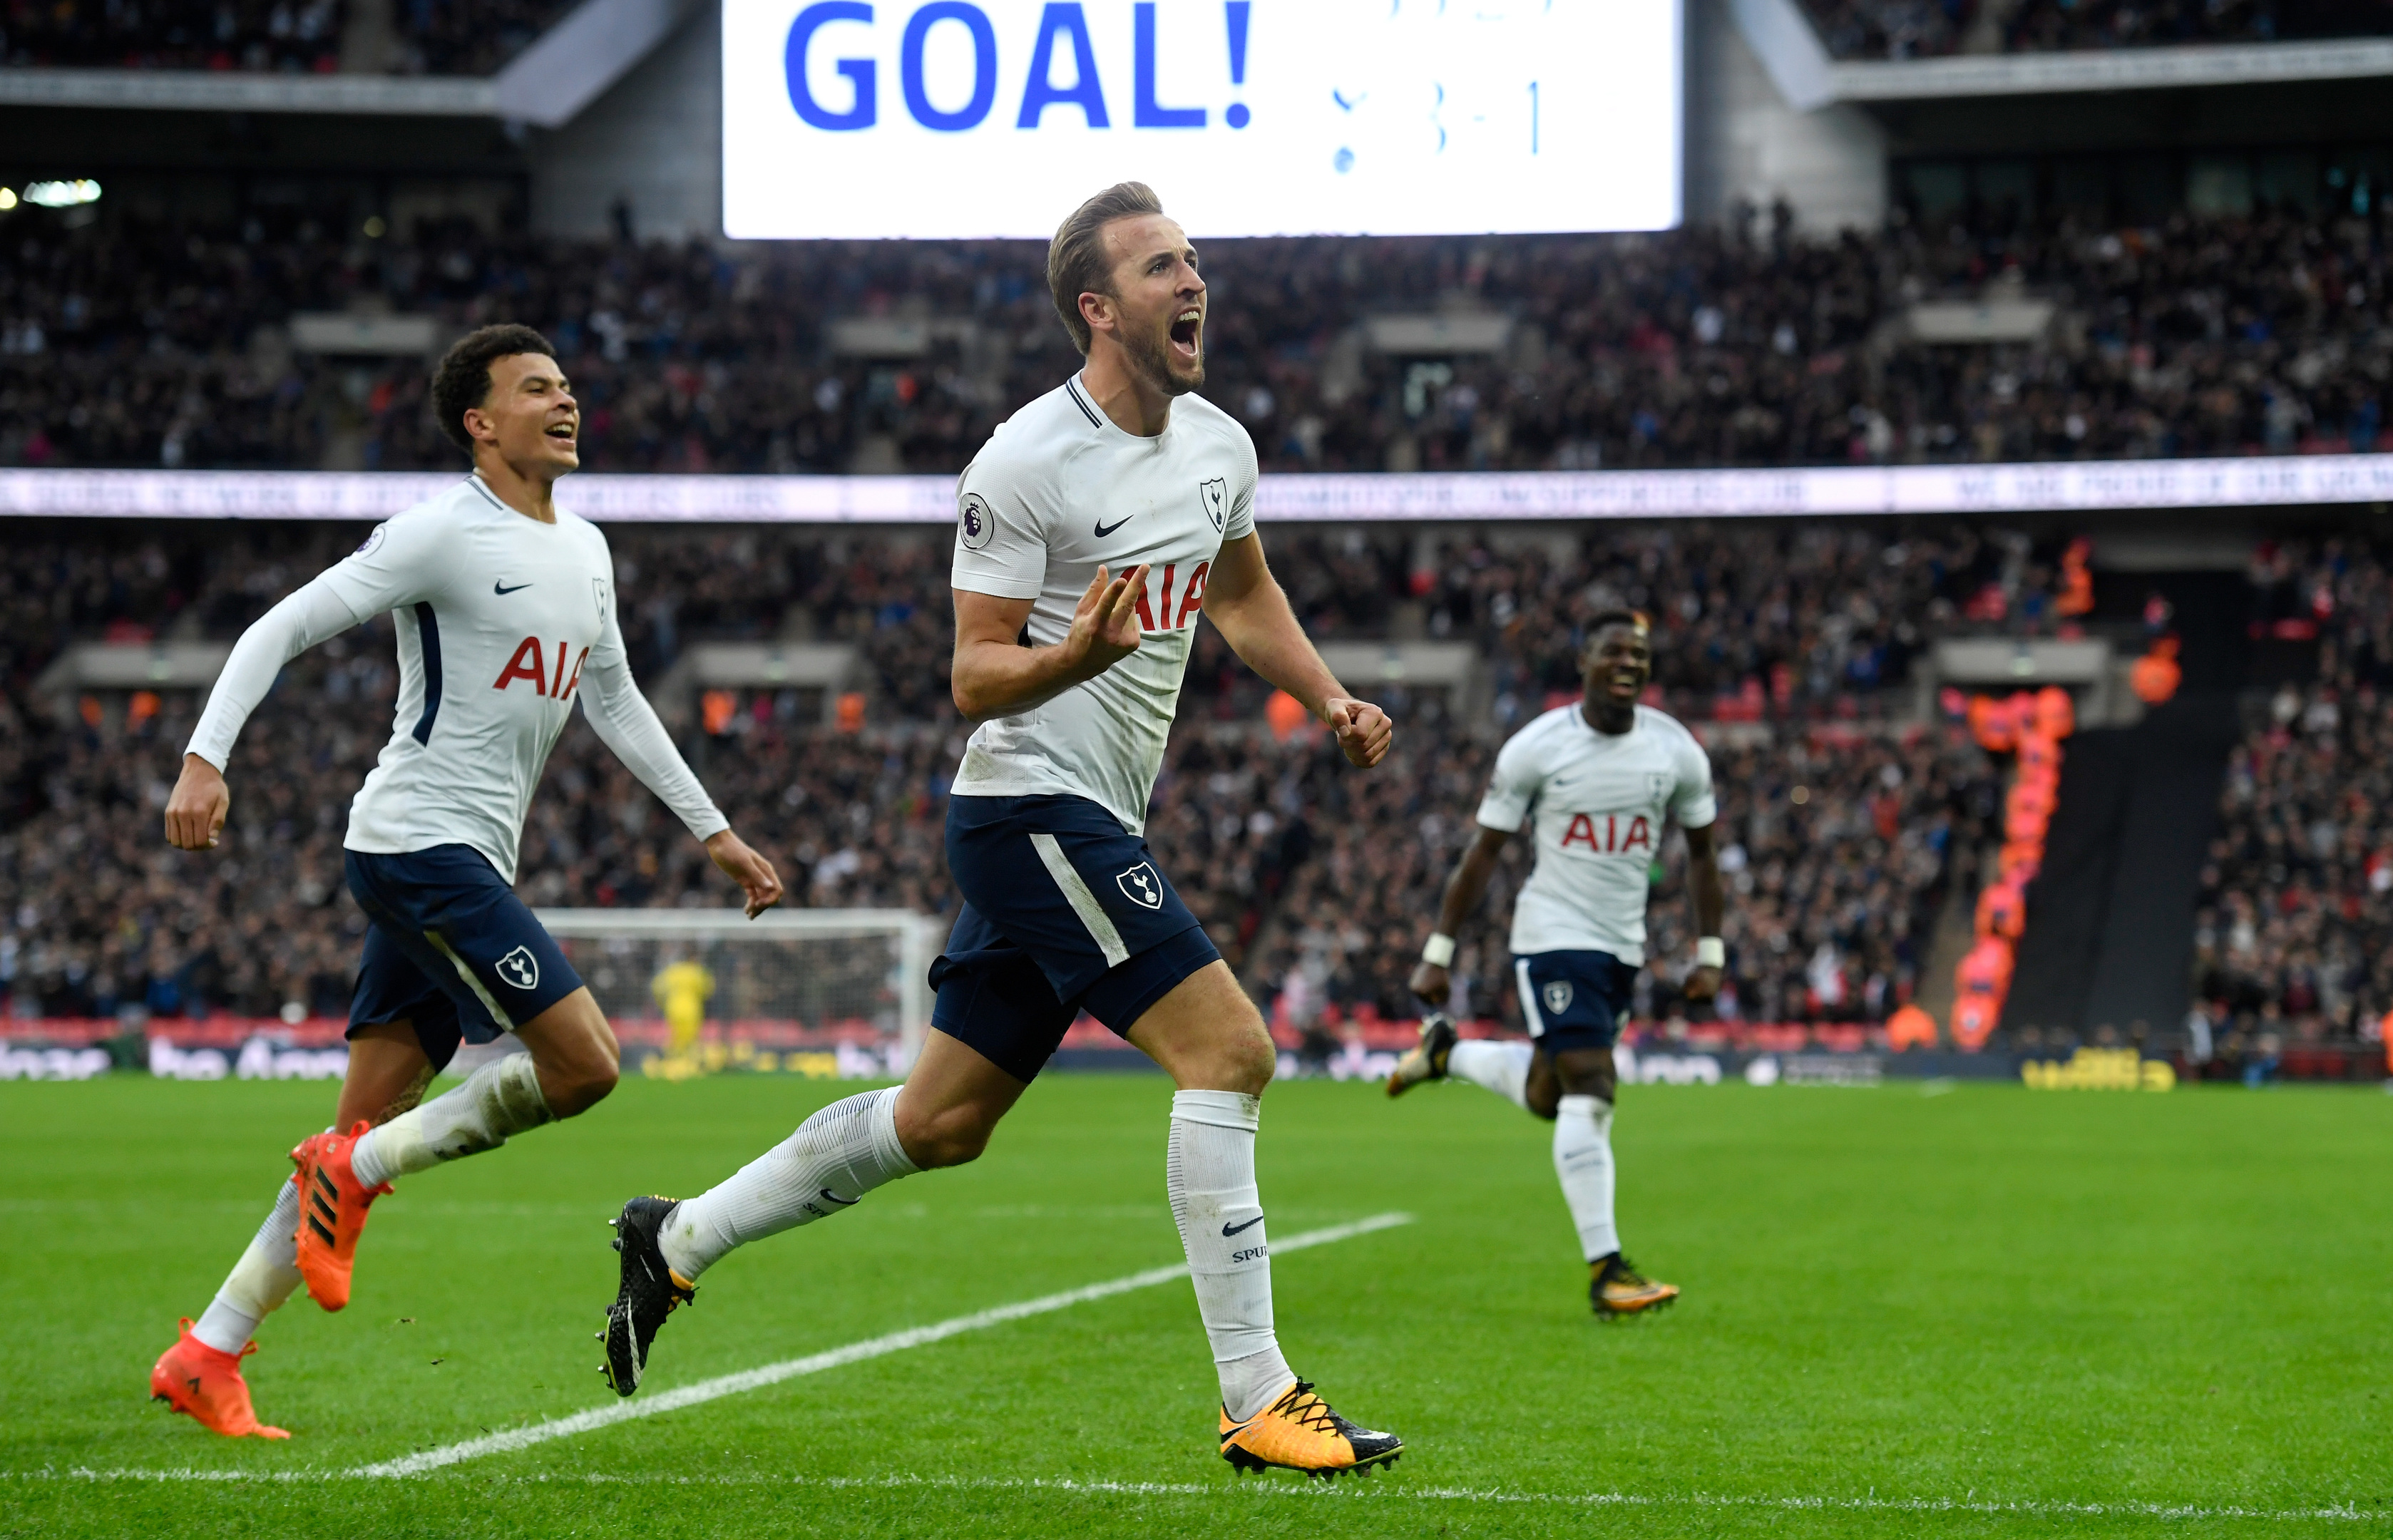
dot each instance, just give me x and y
(141, 345)
(1926, 29)
(443, 37)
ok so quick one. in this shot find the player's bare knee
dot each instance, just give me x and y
(1254, 1059)
(578, 1083)
(1543, 1100)
(1592, 1076)
(953, 1136)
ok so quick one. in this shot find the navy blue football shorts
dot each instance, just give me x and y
(1574, 1000)
(450, 949)
(1064, 911)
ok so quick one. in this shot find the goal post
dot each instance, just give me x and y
(818, 991)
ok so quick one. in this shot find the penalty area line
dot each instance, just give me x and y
(1349, 1492)
(815, 1363)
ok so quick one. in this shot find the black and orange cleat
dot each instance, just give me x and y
(1297, 1432)
(332, 1206)
(1425, 1061)
(204, 1384)
(648, 1293)
(1614, 1289)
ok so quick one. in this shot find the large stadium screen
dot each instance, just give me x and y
(949, 119)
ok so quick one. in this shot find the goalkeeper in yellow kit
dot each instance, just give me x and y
(682, 989)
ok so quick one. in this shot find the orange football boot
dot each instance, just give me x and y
(1300, 1432)
(1616, 1289)
(204, 1384)
(332, 1213)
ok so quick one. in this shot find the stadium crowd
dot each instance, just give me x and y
(1923, 29)
(2294, 936)
(173, 34)
(1747, 345)
(441, 37)
(1841, 831)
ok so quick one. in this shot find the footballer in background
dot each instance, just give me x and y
(1599, 779)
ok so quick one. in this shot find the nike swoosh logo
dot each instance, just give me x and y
(1233, 1228)
(830, 1196)
(1103, 528)
(504, 590)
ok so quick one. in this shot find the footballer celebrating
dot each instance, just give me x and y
(1600, 778)
(1092, 529)
(505, 608)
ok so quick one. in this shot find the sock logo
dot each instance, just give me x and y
(1557, 997)
(1142, 886)
(1233, 1228)
(519, 968)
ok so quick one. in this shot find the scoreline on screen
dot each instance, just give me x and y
(970, 118)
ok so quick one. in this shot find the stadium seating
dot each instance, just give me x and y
(1922, 29)
(1840, 827)
(186, 35)
(439, 37)
(2294, 941)
(132, 345)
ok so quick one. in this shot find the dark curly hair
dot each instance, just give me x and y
(462, 381)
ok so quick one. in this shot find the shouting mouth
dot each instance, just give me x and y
(563, 433)
(1187, 333)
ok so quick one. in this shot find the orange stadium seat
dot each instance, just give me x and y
(2156, 675)
(1983, 979)
(1910, 1027)
(2055, 712)
(2002, 910)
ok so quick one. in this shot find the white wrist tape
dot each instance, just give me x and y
(1710, 952)
(1438, 950)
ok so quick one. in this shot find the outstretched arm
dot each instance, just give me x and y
(1711, 906)
(1433, 981)
(1245, 602)
(196, 809)
(627, 724)
(993, 674)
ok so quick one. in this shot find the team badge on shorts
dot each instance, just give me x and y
(1557, 997)
(1140, 886)
(1215, 495)
(976, 522)
(522, 969)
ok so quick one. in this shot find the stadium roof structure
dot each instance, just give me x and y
(1800, 66)
(1427, 496)
(547, 86)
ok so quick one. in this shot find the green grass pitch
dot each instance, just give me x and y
(1985, 1312)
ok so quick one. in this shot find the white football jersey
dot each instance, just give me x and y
(1057, 490)
(501, 621)
(1600, 801)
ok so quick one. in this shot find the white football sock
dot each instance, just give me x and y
(1209, 1175)
(835, 1158)
(1502, 1067)
(1583, 1161)
(501, 1098)
(263, 1278)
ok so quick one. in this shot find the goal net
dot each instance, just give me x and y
(819, 992)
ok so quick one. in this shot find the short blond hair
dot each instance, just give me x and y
(1078, 262)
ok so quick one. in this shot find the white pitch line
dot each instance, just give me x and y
(1384, 1491)
(815, 1363)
